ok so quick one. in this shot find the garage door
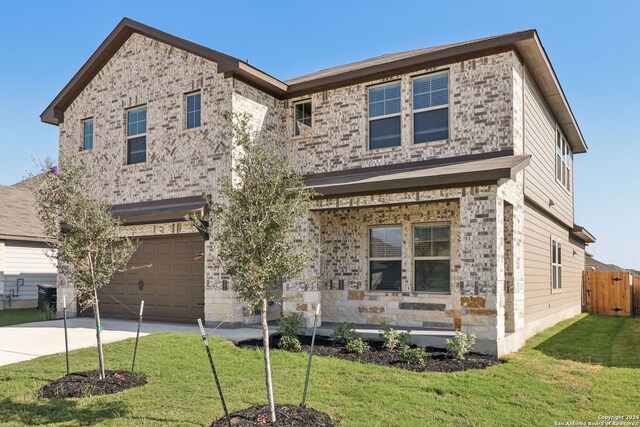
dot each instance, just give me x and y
(168, 274)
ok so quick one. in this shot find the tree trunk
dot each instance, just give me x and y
(96, 312)
(267, 359)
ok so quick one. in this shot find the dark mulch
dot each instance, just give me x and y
(286, 416)
(88, 383)
(437, 360)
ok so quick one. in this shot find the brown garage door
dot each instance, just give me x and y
(172, 287)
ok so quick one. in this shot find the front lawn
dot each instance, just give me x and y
(541, 384)
(14, 316)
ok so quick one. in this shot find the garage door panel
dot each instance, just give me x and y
(173, 286)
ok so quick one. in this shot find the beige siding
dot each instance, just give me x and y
(28, 261)
(540, 140)
(540, 301)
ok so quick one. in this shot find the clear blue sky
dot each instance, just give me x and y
(594, 47)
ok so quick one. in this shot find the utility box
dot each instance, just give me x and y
(47, 296)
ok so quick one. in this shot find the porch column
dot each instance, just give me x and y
(481, 275)
(302, 295)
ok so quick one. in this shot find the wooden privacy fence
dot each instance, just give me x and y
(636, 295)
(608, 292)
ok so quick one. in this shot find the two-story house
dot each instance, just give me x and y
(445, 180)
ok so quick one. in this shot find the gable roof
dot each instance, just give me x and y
(18, 217)
(526, 43)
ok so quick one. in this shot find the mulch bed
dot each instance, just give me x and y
(88, 383)
(286, 416)
(437, 360)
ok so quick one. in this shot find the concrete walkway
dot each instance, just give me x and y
(30, 340)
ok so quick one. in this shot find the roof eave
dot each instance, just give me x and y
(583, 234)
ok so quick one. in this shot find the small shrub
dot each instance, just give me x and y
(460, 345)
(49, 312)
(356, 345)
(413, 356)
(290, 325)
(343, 333)
(393, 338)
(289, 343)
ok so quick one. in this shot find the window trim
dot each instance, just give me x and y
(93, 134)
(432, 258)
(130, 137)
(370, 258)
(385, 116)
(566, 164)
(556, 285)
(295, 120)
(186, 108)
(415, 111)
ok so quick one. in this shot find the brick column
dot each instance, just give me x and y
(481, 278)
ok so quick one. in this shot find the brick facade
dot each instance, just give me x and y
(487, 220)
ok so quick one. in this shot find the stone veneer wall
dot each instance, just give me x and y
(481, 119)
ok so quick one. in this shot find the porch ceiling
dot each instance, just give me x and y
(443, 175)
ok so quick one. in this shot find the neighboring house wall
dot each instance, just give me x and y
(27, 261)
(540, 141)
(480, 119)
(2, 267)
(544, 306)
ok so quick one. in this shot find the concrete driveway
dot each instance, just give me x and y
(30, 340)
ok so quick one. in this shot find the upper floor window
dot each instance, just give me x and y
(193, 110)
(87, 134)
(432, 257)
(385, 258)
(556, 265)
(384, 116)
(302, 119)
(564, 160)
(137, 135)
(431, 108)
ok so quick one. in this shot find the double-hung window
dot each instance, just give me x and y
(432, 257)
(564, 160)
(384, 116)
(302, 119)
(556, 265)
(385, 258)
(431, 108)
(137, 135)
(193, 110)
(87, 134)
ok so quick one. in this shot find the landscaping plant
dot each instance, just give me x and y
(413, 356)
(343, 333)
(460, 345)
(393, 339)
(252, 224)
(289, 327)
(83, 235)
(357, 346)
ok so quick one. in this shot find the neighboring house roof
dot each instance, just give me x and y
(439, 175)
(590, 263)
(525, 43)
(18, 217)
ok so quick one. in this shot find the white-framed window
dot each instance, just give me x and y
(137, 135)
(87, 134)
(432, 257)
(384, 116)
(431, 107)
(193, 101)
(385, 258)
(302, 118)
(564, 160)
(556, 265)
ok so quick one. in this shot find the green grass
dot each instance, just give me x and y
(14, 316)
(546, 381)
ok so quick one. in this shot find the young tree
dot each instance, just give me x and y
(83, 236)
(255, 222)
